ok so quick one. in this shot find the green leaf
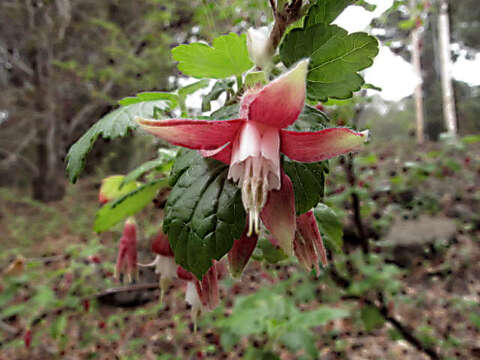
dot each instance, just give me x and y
(220, 87)
(116, 186)
(330, 227)
(325, 11)
(371, 87)
(116, 124)
(204, 212)
(335, 58)
(192, 88)
(58, 326)
(272, 254)
(371, 318)
(115, 211)
(228, 56)
(255, 78)
(226, 112)
(165, 156)
(308, 183)
(471, 139)
(310, 119)
(172, 99)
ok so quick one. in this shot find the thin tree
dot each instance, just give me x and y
(417, 67)
(448, 100)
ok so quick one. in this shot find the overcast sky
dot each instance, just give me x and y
(390, 72)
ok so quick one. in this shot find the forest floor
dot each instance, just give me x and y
(56, 305)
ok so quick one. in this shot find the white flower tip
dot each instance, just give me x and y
(366, 134)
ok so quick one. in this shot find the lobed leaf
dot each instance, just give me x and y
(308, 183)
(335, 58)
(325, 11)
(227, 57)
(172, 99)
(204, 212)
(116, 124)
(165, 157)
(330, 227)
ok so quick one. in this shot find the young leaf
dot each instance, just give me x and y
(227, 57)
(165, 157)
(330, 227)
(324, 12)
(115, 211)
(172, 99)
(226, 112)
(220, 87)
(116, 186)
(113, 125)
(308, 183)
(272, 254)
(204, 212)
(335, 58)
(192, 88)
(311, 119)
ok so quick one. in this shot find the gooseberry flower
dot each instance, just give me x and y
(127, 251)
(201, 295)
(164, 261)
(251, 145)
(308, 244)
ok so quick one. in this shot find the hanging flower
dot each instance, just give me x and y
(251, 145)
(164, 261)
(127, 251)
(308, 244)
(201, 295)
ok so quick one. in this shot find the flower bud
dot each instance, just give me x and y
(257, 46)
(127, 251)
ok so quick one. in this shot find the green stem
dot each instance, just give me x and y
(239, 83)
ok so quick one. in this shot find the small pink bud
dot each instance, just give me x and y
(27, 338)
(86, 305)
(94, 259)
(240, 253)
(102, 199)
(161, 245)
(320, 107)
(184, 274)
(127, 251)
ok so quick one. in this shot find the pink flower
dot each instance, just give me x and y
(127, 251)
(252, 144)
(164, 262)
(308, 244)
(240, 253)
(201, 295)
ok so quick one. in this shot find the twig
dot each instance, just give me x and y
(404, 330)
(283, 18)
(357, 218)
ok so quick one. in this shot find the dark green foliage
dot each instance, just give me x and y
(204, 212)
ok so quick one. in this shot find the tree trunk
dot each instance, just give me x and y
(48, 185)
(417, 68)
(448, 100)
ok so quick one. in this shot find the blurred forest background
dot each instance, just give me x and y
(412, 209)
